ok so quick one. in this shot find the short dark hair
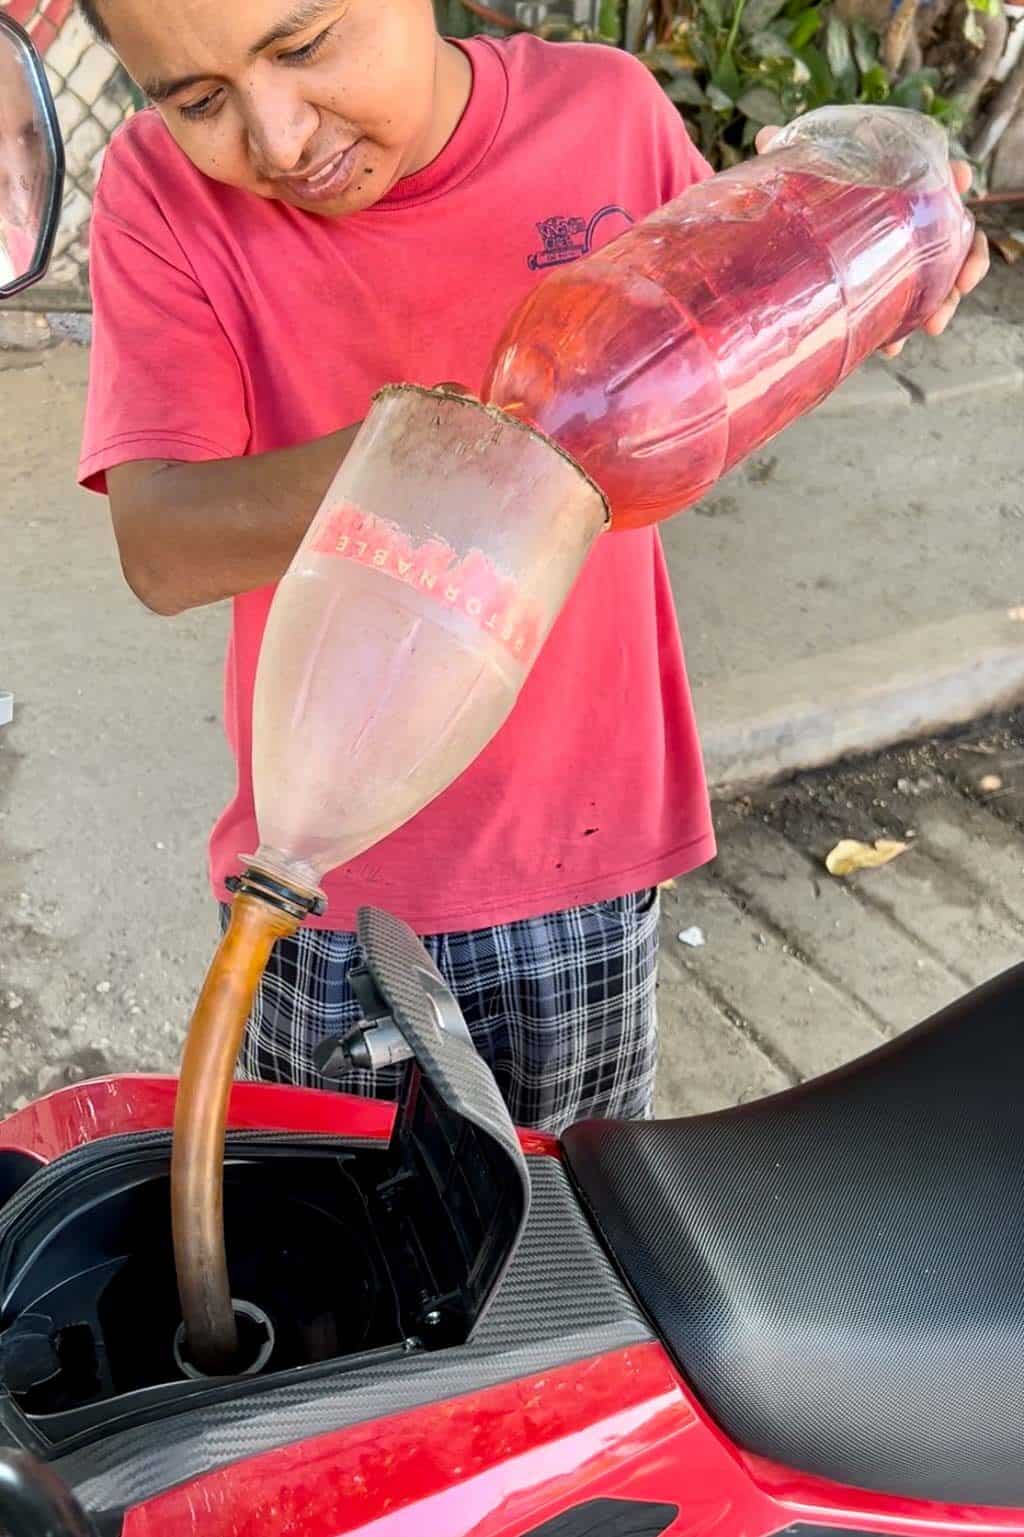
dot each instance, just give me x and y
(91, 11)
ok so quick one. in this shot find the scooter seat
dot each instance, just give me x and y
(839, 1270)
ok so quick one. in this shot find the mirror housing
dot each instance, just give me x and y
(34, 1502)
(31, 163)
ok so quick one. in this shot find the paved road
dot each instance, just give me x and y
(800, 971)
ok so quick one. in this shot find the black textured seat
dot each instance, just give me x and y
(839, 1270)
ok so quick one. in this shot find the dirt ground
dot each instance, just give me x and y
(798, 971)
(882, 797)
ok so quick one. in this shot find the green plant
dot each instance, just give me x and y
(733, 67)
(457, 19)
(736, 66)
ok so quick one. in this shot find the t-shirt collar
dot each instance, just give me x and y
(474, 134)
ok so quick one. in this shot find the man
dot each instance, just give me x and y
(330, 197)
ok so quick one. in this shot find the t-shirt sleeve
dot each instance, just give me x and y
(164, 381)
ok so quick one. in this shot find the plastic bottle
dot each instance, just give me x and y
(408, 621)
(665, 359)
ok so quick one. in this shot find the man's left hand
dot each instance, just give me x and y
(972, 272)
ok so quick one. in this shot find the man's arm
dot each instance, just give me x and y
(190, 534)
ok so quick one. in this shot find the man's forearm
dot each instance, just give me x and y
(191, 534)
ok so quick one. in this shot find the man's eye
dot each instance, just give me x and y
(204, 108)
(308, 50)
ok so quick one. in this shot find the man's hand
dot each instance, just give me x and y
(972, 272)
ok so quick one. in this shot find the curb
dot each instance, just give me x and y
(811, 714)
(38, 330)
(962, 375)
(981, 357)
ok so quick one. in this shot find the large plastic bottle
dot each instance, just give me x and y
(665, 359)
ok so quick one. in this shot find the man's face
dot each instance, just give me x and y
(323, 104)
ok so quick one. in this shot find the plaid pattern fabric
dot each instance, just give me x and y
(561, 1007)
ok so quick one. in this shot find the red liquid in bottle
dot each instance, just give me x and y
(662, 361)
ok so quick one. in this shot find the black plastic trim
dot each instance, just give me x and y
(609, 1518)
(255, 882)
(451, 1103)
(808, 1529)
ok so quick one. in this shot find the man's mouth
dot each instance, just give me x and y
(327, 181)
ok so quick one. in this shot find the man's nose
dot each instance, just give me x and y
(280, 126)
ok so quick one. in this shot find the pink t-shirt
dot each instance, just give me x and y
(229, 325)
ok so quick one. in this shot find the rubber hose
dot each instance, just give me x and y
(200, 1118)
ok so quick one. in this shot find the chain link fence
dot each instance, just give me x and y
(93, 96)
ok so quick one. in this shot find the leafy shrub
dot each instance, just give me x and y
(735, 68)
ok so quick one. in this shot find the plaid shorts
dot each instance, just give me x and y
(561, 1007)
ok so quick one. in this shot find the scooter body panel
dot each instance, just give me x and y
(612, 1447)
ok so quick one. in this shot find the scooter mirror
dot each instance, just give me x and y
(31, 162)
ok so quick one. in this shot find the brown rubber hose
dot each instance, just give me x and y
(197, 1158)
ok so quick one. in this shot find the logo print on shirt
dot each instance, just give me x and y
(566, 239)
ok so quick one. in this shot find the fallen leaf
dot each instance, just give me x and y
(848, 856)
(693, 937)
(990, 783)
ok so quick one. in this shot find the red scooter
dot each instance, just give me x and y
(799, 1316)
